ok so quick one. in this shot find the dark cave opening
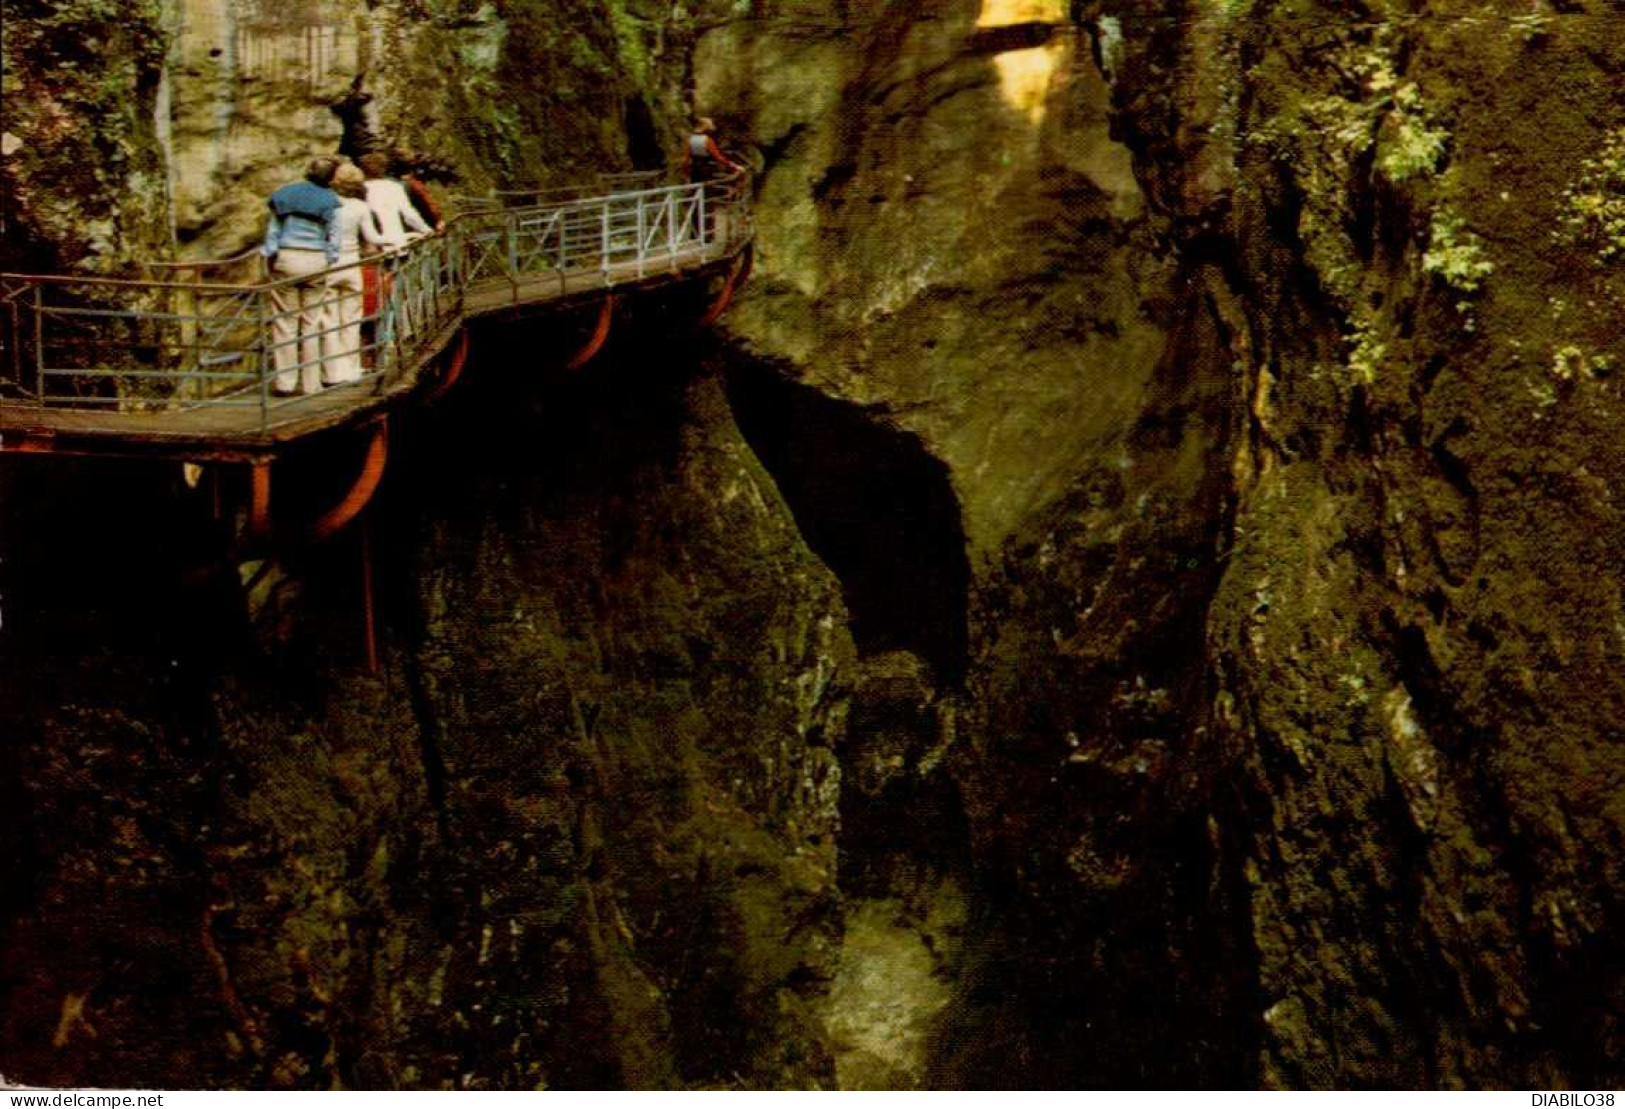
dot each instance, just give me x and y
(643, 136)
(875, 506)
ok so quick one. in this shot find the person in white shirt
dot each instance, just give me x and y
(398, 220)
(341, 361)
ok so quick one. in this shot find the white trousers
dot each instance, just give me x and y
(301, 318)
(343, 346)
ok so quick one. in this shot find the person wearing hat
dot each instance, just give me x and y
(703, 160)
(301, 240)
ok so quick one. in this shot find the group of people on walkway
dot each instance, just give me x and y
(320, 229)
(339, 212)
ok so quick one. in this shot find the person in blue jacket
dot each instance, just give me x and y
(301, 240)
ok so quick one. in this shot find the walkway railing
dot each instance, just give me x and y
(192, 342)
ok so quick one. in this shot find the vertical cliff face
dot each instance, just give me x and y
(955, 238)
(82, 179)
(508, 95)
(635, 732)
(579, 830)
(1415, 642)
(1285, 477)
(948, 235)
(155, 131)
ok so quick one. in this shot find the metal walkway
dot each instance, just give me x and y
(186, 366)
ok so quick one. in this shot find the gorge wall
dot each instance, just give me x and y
(1270, 351)
(578, 830)
(1138, 553)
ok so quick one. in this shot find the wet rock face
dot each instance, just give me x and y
(156, 130)
(952, 236)
(580, 831)
(665, 753)
(1413, 641)
(83, 183)
(947, 236)
(1094, 800)
(1294, 639)
(260, 87)
(251, 84)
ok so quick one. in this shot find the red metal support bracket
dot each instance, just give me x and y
(361, 491)
(259, 500)
(28, 442)
(453, 371)
(595, 342)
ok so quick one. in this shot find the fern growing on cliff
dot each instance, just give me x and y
(1594, 206)
(1455, 254)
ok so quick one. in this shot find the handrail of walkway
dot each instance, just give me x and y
(187, 345)
(235, 270)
